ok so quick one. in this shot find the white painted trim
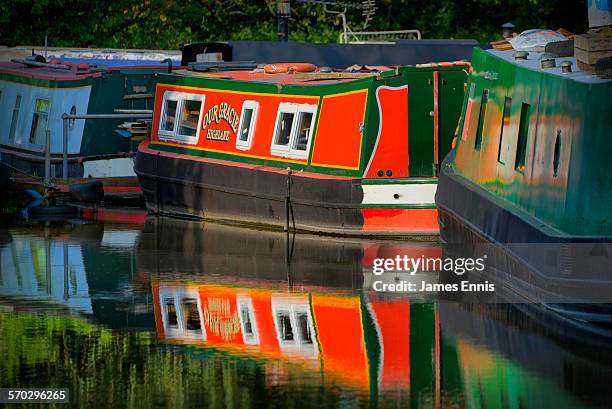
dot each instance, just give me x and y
(409, 194)
(246, 145)
(380, 122)
(117, 167)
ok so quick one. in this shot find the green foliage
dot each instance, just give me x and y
(163, 24)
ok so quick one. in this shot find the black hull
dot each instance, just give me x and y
(5, 174)
(119, 188)
(213, 252)
(34, 163)
(214, 190)
(568, 274)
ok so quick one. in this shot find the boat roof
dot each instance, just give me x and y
(533, 62)
(300, 78)
(22, 70)
(56, 74)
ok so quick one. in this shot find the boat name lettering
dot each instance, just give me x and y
(217, 135)
(219, 112)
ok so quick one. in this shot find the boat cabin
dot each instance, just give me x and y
(392, 123)
(35, 93)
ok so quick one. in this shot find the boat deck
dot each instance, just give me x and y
(533, 62)
(302, 78)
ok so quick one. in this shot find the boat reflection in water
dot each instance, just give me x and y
(171, 313)
(81, 267)
(248, 296)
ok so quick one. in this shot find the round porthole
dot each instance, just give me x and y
(71, 120)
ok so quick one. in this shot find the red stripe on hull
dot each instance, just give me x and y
(401, 220)
(121, 189)
(119, 216)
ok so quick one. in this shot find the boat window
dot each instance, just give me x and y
(247, 124)
(14, 119)
(303, 131)
(283, 132)
(293, 130)
(169, 115)
(180, 117)
(40, 119)
(190, 113)
(285, 327)
(504, 126)
(191, 315)
(481, 116)
(557, 153)
(72, 112)
(521, 148)
(171, 313)
(247, 320)
(304, 329)
(468, 112)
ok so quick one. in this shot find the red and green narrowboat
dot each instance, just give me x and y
(368, 343)
(529, 177)
(346, 153)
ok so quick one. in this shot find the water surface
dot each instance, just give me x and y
(153, 312)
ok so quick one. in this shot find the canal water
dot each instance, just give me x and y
(134, 311)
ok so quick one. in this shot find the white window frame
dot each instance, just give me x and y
(40, 113)
(15, 119)
(246, 301)
(177, 296)
(292, 306)
(246, 145)
(174, 135)
(288, 151)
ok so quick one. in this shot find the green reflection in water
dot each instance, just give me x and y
(129, 369)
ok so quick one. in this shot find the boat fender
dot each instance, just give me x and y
(290, 67)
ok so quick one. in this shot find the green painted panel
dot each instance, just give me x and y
(451, 92)
(99, 136)
(420, 123)
(575, 199)
(422, 354)
(404, 181)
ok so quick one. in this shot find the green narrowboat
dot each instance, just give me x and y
(529, 178)
(342, 153)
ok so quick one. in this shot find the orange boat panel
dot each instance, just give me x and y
(338, 139)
